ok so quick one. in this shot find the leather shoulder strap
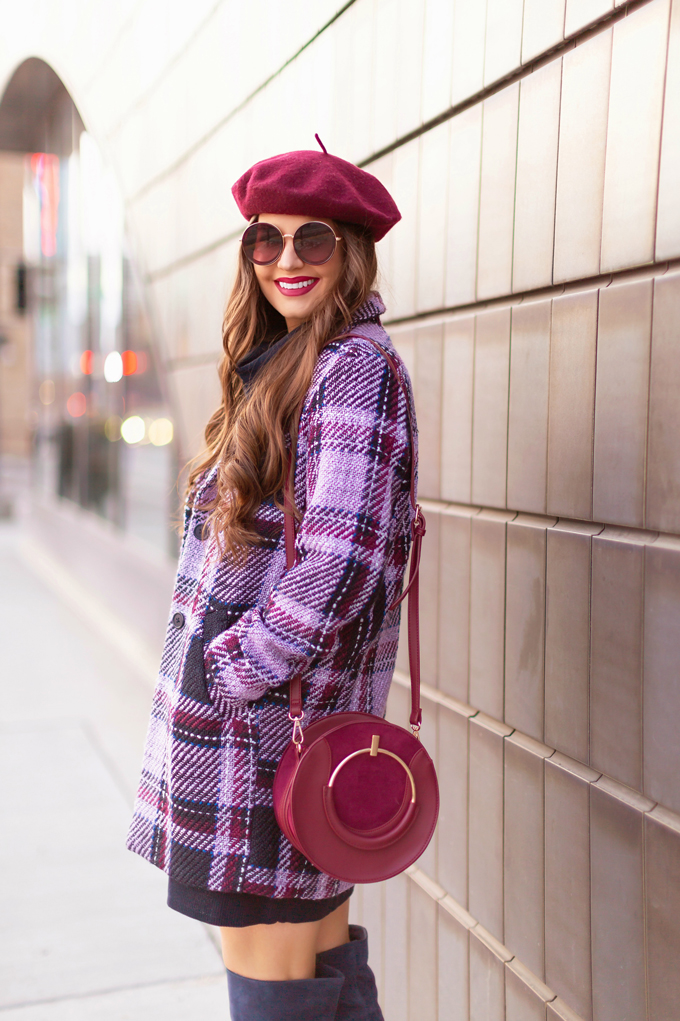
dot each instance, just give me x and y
(417, 532)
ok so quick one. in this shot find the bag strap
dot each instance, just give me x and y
(412, 589)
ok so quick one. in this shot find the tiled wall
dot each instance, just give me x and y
(533, 288)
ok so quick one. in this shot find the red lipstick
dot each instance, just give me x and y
(293, 287)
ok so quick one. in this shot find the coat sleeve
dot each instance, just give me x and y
(357, 465)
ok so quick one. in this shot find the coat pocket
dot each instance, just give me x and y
(193, 678)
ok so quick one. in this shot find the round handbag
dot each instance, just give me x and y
(358, 796)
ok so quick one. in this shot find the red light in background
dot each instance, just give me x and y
(76, 405)
(45, 167)
(86, 363)
(129, 362)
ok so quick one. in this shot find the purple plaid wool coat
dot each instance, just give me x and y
(237, 634)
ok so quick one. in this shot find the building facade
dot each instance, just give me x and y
(533, 288)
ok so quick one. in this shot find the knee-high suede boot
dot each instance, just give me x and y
(312, 999)
(359, 995)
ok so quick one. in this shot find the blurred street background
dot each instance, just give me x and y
(533, 289)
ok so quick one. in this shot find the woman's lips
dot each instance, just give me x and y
(293, 287)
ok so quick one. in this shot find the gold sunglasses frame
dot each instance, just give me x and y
(283, 239)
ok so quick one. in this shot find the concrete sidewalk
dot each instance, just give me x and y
(84, 930)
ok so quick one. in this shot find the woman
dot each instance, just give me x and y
(298, 376)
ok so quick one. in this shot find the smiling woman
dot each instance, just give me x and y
(308, 376)
(290, 244)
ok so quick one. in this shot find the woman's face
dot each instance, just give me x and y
(297, 303)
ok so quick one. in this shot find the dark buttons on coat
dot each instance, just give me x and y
(198, 531)
(178, 620)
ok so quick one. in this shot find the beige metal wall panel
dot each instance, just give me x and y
(490, 411)
(397, 922)
(454, 969)
(616, 659)
(485, 862)
(662, 893)
(558, 1010)
(521, 1002)
(487, 611)
(528, 412)
(661, 699)
(429, 409)
(523, 851)
(469, 31)
(581, 159)
(663, 457)
(497, 193)
(634, 137)
(382, 169)
(429, 735)
(503, 38)
(194, 390)
(437, 57)
(404, 234)
(618, 938)
(487, 984)
(464, 167)
(567, 887)
(567, 640)
(432, 218)
(431, 565)
(384, 92)
(454, 603)
(452, 770)
(539, 118)
(373, 918)
(543, 27)
(409, 60)
(525, 626)
(584, 12)
(423, 956)
(572, 402)
(668, 212)
(621, 402)
(456, 438)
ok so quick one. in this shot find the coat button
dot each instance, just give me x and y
(178, 620)
(198, 531)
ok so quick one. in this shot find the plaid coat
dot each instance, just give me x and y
(237, 634)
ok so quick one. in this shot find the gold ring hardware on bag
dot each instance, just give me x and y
(373, 751)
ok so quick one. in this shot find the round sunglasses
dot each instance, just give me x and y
(313, 242)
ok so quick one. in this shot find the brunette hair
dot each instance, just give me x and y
(249, 434)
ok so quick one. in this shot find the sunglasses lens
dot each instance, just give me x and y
(314, 243)
(262, 243)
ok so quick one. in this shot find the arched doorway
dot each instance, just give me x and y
(85, 380)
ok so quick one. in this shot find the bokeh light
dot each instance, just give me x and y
(133, 429)
(76, 405)
(112, 428)
(86, 360)
(161, 432)
(46, 392)
(129, 359)
(113, 367)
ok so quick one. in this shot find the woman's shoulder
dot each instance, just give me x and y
(364, 353)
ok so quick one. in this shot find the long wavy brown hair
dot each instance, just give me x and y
(250, 433)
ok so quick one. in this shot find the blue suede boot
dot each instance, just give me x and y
(306, 999)
(359, 995)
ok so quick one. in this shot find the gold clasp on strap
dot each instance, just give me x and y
(298, 735)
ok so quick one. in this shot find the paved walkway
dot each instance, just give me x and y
(85, 934)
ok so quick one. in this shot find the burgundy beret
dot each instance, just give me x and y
(309, 183)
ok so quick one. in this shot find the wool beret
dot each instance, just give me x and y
(309, 183)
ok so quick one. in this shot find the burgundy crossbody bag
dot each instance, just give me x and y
(358, 796)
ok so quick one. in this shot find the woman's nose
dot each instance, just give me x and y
(289, 257)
